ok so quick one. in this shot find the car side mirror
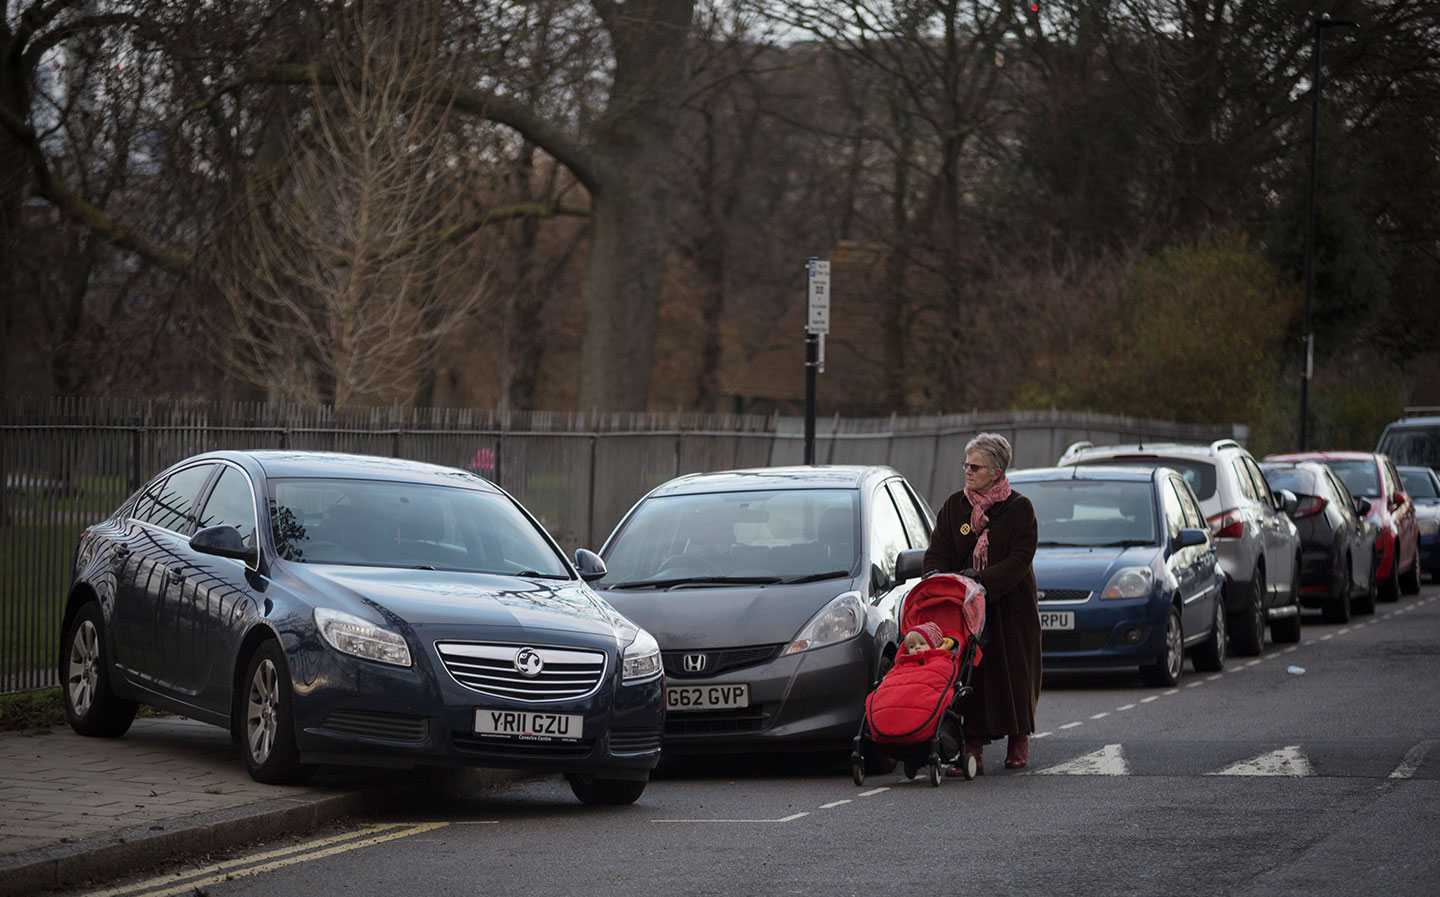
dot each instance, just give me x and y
(909, 564)
(1192, 535)
(1362, 507)
(1286, 500)
(224, 541)
(589, 565)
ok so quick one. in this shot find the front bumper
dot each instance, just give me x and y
(813, 700)
(350, 711)
(1107, 633)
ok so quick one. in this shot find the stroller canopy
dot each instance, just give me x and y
(954, 602)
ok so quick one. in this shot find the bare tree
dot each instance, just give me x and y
(336, 284)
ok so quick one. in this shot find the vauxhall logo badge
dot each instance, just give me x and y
(528, 662)
(694, 663)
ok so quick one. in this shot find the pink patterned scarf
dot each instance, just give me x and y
(980, 502)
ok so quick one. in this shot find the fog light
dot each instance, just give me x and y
(1132, 636)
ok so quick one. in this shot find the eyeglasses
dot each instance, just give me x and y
(974, 468)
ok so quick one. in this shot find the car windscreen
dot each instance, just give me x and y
(1093, 513)
(758, 537)
(1419, 483)
(1361, 477)
(1198, 473)
(1412, 446)
(388, 524)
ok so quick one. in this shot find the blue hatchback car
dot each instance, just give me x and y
(1127, 571)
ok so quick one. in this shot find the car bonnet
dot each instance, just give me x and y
(714, 617)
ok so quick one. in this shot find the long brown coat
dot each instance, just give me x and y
(1007, 679)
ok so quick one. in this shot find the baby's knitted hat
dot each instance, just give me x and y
(931, 631)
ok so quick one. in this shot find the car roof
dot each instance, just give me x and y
(1333, 455)
(1418, 468)
(1149, 449)
(284, 464)
(1406, 422)
(1087, 472)
(839, 476)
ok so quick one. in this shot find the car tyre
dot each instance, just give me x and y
(1247, 628)
(1165, 670)
(91, 705)
(1286, 630)
(1365, 603)
(267, 720)
(1389, 590)
(1337, 608)
(1410, 582)
(1209, 656)
(604, 792)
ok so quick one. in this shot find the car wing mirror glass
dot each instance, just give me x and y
(589, 565)
(1192, 535)
(223, 541)
(1362, 506)
(1286, 500)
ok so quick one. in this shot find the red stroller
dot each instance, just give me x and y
(913, 714)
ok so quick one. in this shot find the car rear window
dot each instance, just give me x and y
(1419, 483)
(1199, 474)
(1360, 477)
(1298, 481)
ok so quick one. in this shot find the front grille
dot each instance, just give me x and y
(718, 660)
(717, 722)
(506, 747)
(1064, 595)
(634, 741)
(566, 673)
(389, 726)
(1053, 641)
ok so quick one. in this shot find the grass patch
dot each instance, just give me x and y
(37, 712)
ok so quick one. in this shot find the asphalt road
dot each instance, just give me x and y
(1312, 770)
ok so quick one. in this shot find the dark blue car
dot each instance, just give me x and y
(345, 609)
(1423, 486)
(1127, 571)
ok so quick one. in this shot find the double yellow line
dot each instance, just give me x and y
(187, 883)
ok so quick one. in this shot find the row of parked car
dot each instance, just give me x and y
(335, 608)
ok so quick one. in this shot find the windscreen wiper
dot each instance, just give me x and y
(814, 577)
(1127, 543)
(698, 581)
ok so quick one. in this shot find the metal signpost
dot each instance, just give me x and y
(817, 324)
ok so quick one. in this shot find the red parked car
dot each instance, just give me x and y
(1397, 542)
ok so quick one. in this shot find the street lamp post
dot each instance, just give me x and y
(1321, 23)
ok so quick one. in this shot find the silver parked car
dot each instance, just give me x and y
(773, 594)
(1259, 543)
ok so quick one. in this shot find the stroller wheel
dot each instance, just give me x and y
(910, 770)
(857, 769)
(972, 767)
(936, 773)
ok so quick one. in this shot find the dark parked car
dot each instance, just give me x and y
(773, 594)
(1258, 542)
(1337, 572)
(334, 608)
(1414, 440)
(1127, 570)
(1422, 484)
(1397, 535)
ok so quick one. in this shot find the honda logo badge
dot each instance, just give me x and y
(528, 662)
(694, 663)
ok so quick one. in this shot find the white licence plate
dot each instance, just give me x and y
(1057, 619)
(527, 725)
(706, 697)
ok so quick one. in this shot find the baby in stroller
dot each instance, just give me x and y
(913, 714)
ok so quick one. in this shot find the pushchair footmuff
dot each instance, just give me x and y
(913, 715)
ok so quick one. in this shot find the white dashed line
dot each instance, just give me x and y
(1149, 699)
(1041, 735)
(1100, 715)
(873, 791)
(833, 804)
(1071, 725)
(1173, 691)
(1214, 677)
(1126, 707)
(1194, 684)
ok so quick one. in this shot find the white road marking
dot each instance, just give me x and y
(1194, 684)
(1327, 637)
(1173, 691)
(1288, 761)
(1071, 725)
(1108, 761)
(1126, 707)
(791, 818)
(1253, 663)
(833, 804)
(1041, 735)
(1214, 677)
(1412, 760)
(1149, 699)
(1100, 715)
(874, 791)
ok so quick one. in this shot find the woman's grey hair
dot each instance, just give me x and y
(993, 447)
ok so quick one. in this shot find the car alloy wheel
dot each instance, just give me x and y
(90, 706)
(1166, 668)
(1248, 634)
(1209, 657)
(268, 721)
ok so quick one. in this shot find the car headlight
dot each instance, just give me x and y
(641, 659)
(1129, 582)
(352, 635)
(1430, 526)
(839, 620)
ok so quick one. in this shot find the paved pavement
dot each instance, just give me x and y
(74, 809)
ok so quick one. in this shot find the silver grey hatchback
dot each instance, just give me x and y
(1259, 544)
(773, 595)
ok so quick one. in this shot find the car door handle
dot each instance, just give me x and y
(176, 575)
(122, 551)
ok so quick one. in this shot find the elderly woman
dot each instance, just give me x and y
(987, 532)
